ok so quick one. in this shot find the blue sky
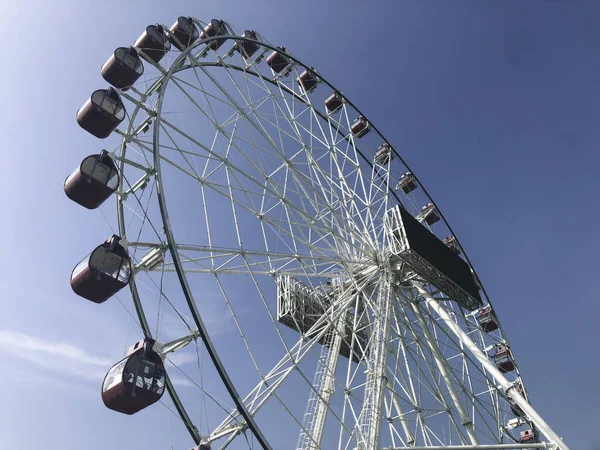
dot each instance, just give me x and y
(493, 105)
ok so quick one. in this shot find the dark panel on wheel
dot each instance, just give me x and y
(425, 244)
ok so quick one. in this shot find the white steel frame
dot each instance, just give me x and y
(423, 380)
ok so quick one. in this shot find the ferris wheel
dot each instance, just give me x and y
(348, 314)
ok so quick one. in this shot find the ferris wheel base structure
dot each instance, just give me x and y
(478, 447)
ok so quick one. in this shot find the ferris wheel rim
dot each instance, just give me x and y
(181, 271)
(162, 90)
(322, 79)
(136, 300)
(269, 46)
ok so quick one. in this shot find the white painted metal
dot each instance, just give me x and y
(172, 346)
(151, 260)
(442, 366)
(370, 420)
(323, 388)
(542, 426)
(410, 439)
(321, 208)
(477, 447)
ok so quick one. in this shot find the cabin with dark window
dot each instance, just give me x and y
(516, 409)
(154, 43)
(360, 127)
(183, 33)
(93, 181)
(384, 154)
(277, 60)
(334, 102)
(407, 183)
(215, 27)
(308, 80)
(102, 113)
(248, 48)
(102, 273)
(452, 244)
(123, 68)
(428, 214)
(487, 319)
(529, 437)
(503, 359)
(135, 382)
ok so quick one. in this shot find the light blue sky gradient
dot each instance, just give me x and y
(493, 104)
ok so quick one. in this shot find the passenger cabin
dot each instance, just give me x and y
(451, 243)
(215, 28)
(248, 48)
(135, 382)
(201, 447)
(360, 127)
(503, 359)
(384, 154)
(123, 68)
(334, 102)
(102, 113)
(277, 60)
(102, 273)
(428, 214)
(93, 181)
(516, 409)
(183, 33)
(407, 183)
(487, 319)
(153, 43)
(528, 437)
(308, 80)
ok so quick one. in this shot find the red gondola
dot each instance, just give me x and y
(384, 154)
(360, 127)
(308, 80)
(216, 27)
(451, 243)
(102, 273)
(277, 60)
(93, 181)
(487, 319)
(248, 48)
(407, 183)
(516, 409)
(183, 33)
(135, 382)
(102, 113)
(429, 214)
(334, 102)
(503, 359)
(123, 68)
(528, 437)
(154, 43)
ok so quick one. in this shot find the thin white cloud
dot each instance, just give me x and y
(181, 382)
(17, 342)
(67, 359)
(183, 357)
(60, 357)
